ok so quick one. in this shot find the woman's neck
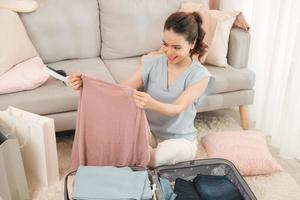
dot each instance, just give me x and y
(183, 63)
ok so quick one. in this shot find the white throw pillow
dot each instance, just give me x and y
(217, 51)
(217, 25)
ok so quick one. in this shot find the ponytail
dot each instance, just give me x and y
(200, 46)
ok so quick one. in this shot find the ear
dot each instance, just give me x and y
(193, 44)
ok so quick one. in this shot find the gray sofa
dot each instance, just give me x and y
(106, 39)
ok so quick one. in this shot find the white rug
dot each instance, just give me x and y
(280, 186)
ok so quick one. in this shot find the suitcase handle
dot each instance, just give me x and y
(192, 162)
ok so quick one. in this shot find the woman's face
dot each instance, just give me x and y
(176, 47)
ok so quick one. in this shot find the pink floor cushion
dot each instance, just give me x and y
(247, 150)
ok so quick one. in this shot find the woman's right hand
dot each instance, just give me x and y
(75, 81)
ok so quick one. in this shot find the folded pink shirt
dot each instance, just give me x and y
(111, 129)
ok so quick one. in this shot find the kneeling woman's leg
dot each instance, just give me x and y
(173, 151)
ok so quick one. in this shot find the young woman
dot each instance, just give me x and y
(174, 86)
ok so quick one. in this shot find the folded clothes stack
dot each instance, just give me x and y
(203, 187)
(109, 182)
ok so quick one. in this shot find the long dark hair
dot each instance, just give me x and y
(190, 26)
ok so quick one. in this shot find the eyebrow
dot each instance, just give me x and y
(172, 45)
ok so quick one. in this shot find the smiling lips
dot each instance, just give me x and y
(172, 58)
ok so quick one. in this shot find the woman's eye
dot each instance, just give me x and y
(165, 44)
(177, 48)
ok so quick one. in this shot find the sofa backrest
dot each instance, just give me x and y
(64, 29)
(134, 27)
(75, 29)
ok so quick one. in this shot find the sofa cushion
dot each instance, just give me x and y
(226, 79)
(15, 46)
(133, 28)
(231, 79)
(64, 29)
(54, 96)
(121, 69)
(238, 48)
(226, 100)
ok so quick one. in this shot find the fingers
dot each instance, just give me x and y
(139, 103)
(75, 76)
(138, 93)
(75, 81)
(138, 97)
(139, 100)
(76, 85)
(142, 96)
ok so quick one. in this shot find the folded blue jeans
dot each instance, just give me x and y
(212, 187)
(185, 190)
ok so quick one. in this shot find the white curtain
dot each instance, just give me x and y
(275, 59)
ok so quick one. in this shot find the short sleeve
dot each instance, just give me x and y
(199, 74)
(148, 64)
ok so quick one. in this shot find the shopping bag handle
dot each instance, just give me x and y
(66, 184)
(27, 137)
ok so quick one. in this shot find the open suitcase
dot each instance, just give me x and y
(188, 170)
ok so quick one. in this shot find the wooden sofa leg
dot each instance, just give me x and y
(244, 117)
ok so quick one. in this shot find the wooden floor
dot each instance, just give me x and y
(292, 166)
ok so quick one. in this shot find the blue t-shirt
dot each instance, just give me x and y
(154, 75)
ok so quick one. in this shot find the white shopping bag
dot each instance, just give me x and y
(13, 184)
(36, 135)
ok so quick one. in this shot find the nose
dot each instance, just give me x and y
(168, 51)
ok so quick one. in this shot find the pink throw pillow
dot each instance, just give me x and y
(247, 150)
(24, 76)
(16, 46)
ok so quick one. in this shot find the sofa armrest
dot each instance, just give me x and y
(238, 48)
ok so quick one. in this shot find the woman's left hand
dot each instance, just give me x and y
(143, 100)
